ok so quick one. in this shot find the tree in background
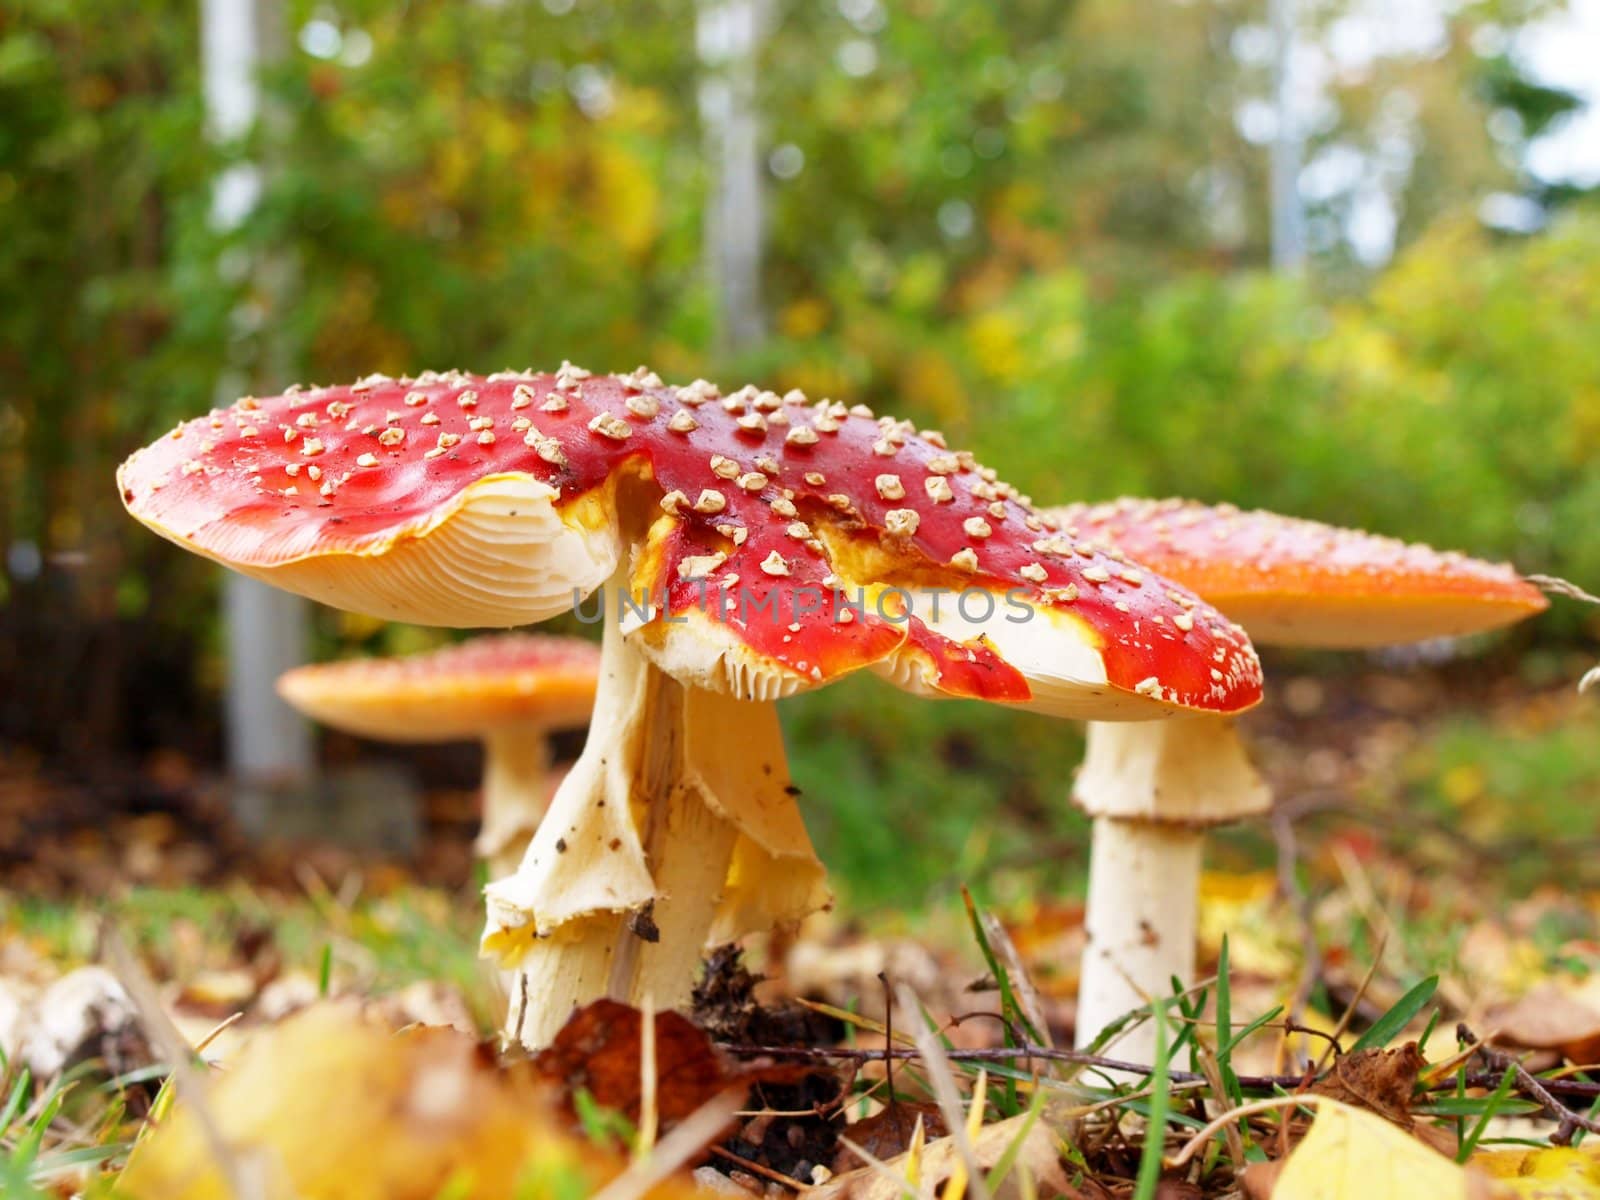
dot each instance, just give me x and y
(1034, 224)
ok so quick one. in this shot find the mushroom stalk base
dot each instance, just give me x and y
(1143, 879)
(1152, 787)
(676, 826)
(515, 769)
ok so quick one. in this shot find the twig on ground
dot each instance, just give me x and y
(1355, 1001)
(1022, 985)
(1531, 1085)
(756, 1168)
(649, 1113)
(1572, 1088)
(1213, 1073)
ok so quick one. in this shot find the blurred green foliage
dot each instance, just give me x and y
(1038, 226)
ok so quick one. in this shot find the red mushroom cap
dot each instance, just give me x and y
(458, 499)
(1294, 582)
(461, 691)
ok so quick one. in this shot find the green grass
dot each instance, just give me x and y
(907, 799)
(1531, 784)
(34, 1154)
(372, 946)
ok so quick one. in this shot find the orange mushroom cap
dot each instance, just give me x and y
(1293, 582)
(454, 693)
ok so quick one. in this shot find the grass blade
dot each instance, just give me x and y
(1496, 1099)
(1155, 1134)
(1387, 1027)
(1225, 1041)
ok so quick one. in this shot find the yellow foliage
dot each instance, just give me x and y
(817, 378)
(1583, 438)
(627, 200)
(1431, 270)
(329, 1106)
(803, 318)
(357, 626)
(930, 382)
(1231, 888)
(1351, 1154)
(995, 341)
(640, 110)
(452, 169)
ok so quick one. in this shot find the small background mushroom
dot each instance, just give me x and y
(508, 691)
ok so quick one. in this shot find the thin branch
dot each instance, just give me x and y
(1533, 1086)
(1571, 1088)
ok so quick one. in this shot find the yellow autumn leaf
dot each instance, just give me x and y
(1556, 1173)
(331, 1106)
(1261, 939)
(1350, 1154)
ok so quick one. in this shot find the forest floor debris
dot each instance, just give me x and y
(1373, 991)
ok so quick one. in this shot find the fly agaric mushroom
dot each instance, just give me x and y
(750, 545)
(508, 691)
(1153, 788)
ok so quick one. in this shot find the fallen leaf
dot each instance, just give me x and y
(1353, 1154)
(332, 1106)
(1550, 1018)
(599, 1050)
(1035, 1171)
(1555, 1173)
(1245, 909)
(888, 1133)
(1379, 1080)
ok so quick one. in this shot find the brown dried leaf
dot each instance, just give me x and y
(1381, 1081)
(599, 1050)
(889, 1133)
(1548, 1018)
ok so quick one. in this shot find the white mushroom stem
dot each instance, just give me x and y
(1152, 788)
(677, 823)
(1143, 879)
(516, 767)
